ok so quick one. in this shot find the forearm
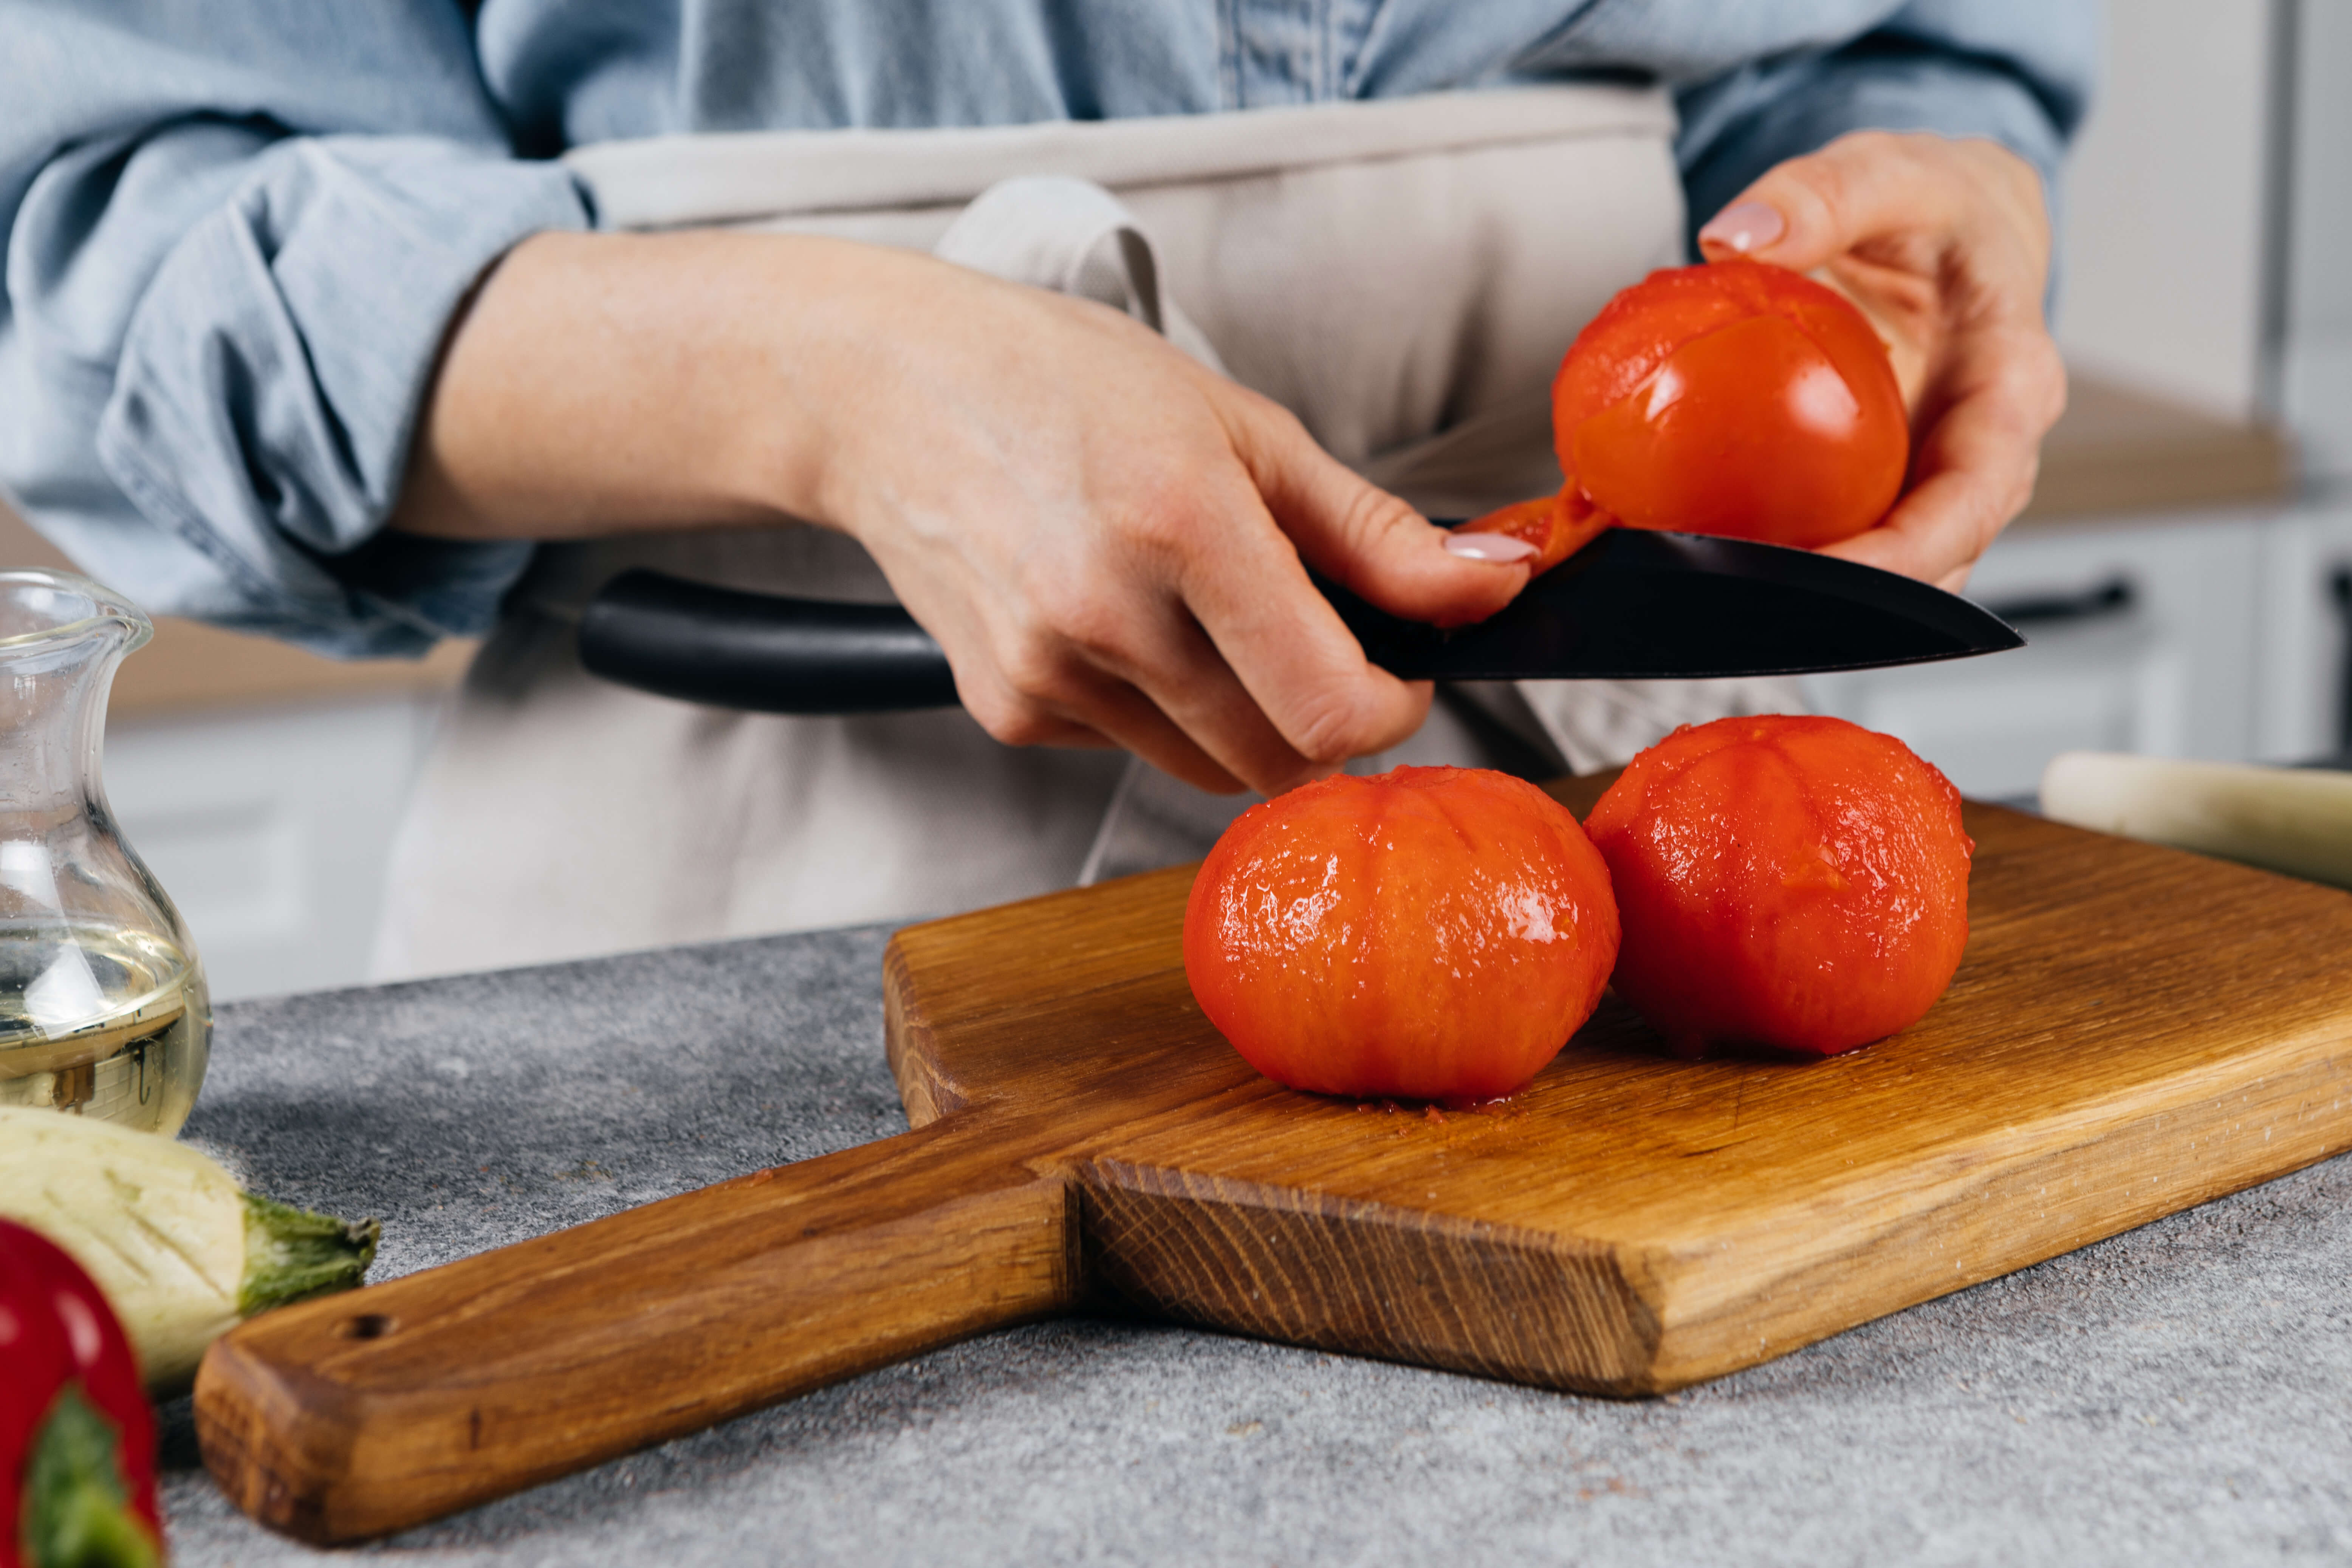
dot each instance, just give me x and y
(603, 383)
(1110, 542)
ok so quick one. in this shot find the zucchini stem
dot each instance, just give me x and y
(291, 1253)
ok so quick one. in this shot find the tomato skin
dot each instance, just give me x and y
(1749, 432)
(1557, 525)
(1785, 881)
(1735, 398)
(1430, 933)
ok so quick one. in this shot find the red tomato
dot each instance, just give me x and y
(1432, 934)
(1734, 398)
(1737, 398)
(1786, 881)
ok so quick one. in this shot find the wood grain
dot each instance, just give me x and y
(2134, 1029)
(350, 1415)
(2122, 455)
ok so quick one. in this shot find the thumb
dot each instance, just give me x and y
(1371, 543)
(1807, 210)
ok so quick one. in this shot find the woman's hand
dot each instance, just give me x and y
(1110, 542)
(1944, 245)
(1109, 539)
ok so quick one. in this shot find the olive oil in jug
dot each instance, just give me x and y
(108, 1023)
(103, 1008)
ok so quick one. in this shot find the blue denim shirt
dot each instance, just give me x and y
(236, 231)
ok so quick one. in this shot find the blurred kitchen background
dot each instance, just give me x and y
(2185, 575)
(2185, 572)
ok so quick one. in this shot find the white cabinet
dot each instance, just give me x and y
(270, 829)
(2306, 572)
(2146, 638)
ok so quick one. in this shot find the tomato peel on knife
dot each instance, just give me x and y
(1735, 398)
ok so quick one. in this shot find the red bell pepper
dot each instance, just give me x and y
(76, 1437)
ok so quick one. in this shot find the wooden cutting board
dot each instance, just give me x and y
(2134, 1030)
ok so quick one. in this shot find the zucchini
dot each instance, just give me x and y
(2296, 820)
(180, 1251)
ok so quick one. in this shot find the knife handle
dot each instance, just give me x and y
(352, 1415)
(770, 654)
(763, 652)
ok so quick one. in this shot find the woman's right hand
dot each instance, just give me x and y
(1109, 541)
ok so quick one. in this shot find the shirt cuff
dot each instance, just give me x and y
(270, 379)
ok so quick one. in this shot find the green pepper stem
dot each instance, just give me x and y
(76, 1514)
(291, 1253)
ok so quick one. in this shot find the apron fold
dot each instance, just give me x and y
(1073, 237)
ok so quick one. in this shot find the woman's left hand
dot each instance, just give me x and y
(1944, 245)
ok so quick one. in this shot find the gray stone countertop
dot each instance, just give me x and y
(2180, 1394)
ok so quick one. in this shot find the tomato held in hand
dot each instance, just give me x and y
(1432, 934)
(1733, 398)
(1797, 882)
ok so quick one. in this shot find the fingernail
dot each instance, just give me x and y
(1744, 226)
(1500, 548)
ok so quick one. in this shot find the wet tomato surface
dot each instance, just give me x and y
(1432, 933)
(1793, 882)
(1734, 398)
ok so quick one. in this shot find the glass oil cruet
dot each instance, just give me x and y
(103, 1010)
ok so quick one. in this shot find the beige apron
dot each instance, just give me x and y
(1403, 275)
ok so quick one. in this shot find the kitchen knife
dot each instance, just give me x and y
(1634, 604)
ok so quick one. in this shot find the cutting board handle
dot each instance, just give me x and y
(354, 1415)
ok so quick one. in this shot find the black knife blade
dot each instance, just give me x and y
(1638, 605)
(1634, 604)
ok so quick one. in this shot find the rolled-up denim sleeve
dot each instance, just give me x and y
(2018, 72)
(232, 257)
